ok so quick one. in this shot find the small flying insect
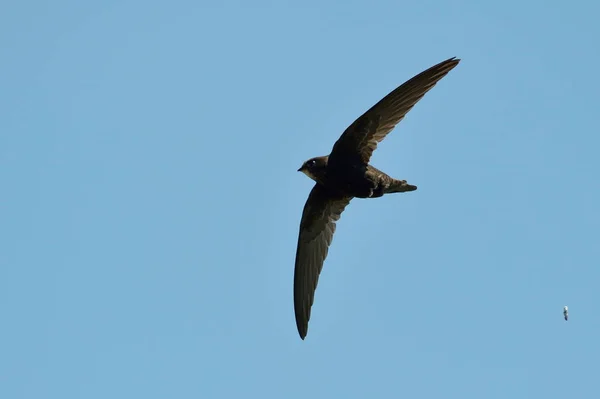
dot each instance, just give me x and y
(566, 313)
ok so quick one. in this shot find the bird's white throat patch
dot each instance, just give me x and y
(307, 173)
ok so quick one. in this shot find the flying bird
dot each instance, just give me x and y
(345, 174)
(566, 313)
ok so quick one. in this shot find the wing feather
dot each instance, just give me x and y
(360, 139)
(321, 212)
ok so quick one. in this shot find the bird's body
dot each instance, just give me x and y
(360, 181)
(345, 174)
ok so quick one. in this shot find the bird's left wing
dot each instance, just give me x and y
(360, 139)
(321, 212)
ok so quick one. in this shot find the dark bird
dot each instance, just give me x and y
(345, 174)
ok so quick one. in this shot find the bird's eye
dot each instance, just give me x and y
(311, 163)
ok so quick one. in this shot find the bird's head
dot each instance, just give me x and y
(314, 167)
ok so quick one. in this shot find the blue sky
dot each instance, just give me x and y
(150, 200)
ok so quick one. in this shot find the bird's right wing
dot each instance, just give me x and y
(321, 212)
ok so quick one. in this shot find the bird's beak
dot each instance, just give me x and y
(301, 168)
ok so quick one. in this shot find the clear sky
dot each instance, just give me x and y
(150, 201)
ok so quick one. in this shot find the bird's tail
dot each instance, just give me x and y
(400, 186)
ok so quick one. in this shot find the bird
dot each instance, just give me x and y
(566, 313)
(345, 174)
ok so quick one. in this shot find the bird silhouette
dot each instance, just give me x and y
(346, 174)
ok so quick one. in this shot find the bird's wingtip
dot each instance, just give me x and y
(302, 330)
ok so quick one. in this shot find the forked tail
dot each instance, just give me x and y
(400, 186)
